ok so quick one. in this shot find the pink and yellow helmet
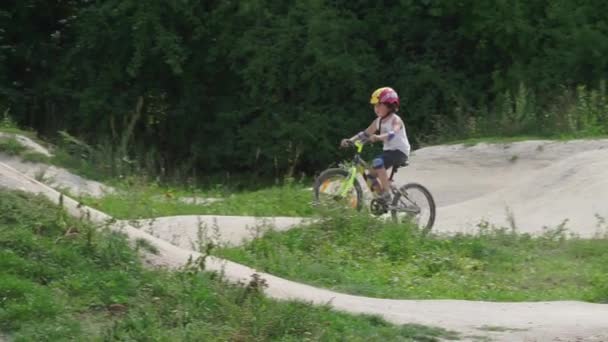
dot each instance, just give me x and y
(384, 95)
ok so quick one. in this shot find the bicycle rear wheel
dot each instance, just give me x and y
(327, 188)
(414, 203)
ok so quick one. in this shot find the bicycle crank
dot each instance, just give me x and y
(378, 207)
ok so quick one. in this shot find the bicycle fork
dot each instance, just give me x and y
(349, 183)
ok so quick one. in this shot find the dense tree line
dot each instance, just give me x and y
(207, 86)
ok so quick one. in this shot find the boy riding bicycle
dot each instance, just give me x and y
(388, 128)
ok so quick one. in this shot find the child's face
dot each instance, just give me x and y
(381, 110)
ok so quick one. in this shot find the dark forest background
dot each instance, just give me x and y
(186, 88)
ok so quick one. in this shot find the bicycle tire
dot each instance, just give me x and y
(426, 226)
(337, 173)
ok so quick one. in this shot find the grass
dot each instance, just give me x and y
(7, 126)
(62, 279)
(14, 130)
(361, 255)
(137, 199)
(11, 146)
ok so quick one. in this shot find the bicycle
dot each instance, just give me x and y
(342, 186)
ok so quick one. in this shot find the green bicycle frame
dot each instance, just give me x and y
(352, 175)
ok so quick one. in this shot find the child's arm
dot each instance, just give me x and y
(397, 124)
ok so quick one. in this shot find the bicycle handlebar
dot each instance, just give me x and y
(357, 143)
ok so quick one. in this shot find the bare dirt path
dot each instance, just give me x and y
(532, 183)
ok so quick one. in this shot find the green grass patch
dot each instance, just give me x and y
(14, 130)
(8, 126)
(137, 199)
(11, 146)
(62, 279)
(35, 157)
(498, 329)
(361, 255)
(81, 166)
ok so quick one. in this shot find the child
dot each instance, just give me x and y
(389, 129)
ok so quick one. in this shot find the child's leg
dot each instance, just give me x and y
(380, 172)
(375, 185)
(383, 176)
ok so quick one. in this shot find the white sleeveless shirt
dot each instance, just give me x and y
(399, 141)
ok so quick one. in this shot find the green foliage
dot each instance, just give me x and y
(189, 88)
(35, 157)
(62, 279)
(362, 255)
(7, 122)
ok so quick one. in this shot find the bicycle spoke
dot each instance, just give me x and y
(414, 203)
(329, 194)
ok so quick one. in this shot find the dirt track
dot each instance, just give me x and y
(534, 183)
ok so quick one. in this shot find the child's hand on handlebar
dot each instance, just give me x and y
(346, 143)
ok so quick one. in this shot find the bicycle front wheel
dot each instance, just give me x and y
(328, 187)
(414, 203)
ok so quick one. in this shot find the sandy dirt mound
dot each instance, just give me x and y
(540, 321)
(58, 178)
(534, 184)
(28, 143)
(188, 230)
(51, 175)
